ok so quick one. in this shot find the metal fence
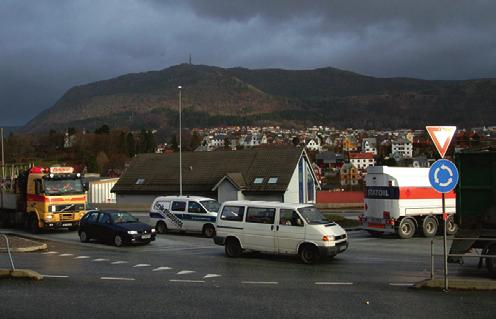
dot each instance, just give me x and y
(475, 254)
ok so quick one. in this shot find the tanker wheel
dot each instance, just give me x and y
(406, 229)
(491, 261)
(429, 227)
(452, 227)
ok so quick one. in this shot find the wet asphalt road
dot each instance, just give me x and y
(188, 276)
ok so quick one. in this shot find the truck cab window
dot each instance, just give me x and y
(38, 186)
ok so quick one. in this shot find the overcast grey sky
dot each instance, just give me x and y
(48, 46)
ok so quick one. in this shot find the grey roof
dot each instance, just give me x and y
(203, 170)
(330, 157)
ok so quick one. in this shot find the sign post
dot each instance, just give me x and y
(443, 176)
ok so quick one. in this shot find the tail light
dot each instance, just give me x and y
(366, 206)
(386, 215)
(390, 221)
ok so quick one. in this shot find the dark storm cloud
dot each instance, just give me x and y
(46, 47)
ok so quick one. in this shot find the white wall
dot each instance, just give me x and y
(291, 194)
(226, 191)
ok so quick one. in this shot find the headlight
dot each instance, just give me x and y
(328, 238)
(48, 217)
(153, 230)
(132, 232)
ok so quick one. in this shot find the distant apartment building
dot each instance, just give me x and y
(402, 147)
(369, 145)
(362, 160)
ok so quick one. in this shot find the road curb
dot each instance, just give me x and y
(458, 284)
(20, 274)
(28, 249)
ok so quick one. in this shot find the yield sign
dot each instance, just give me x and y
(441, 136)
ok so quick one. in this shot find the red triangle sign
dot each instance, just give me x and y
(441, 136)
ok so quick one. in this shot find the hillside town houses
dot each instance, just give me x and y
(340, 156)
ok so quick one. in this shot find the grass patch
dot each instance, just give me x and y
(342, 221)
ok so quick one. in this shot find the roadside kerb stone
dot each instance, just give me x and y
(20, 274)
(458, 284)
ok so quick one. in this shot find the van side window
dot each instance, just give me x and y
(233, 213)
(194, 207)
(260, 215)
(178, 206)
(289, 217)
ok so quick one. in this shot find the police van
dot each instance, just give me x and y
(278, 228)
(184, 213)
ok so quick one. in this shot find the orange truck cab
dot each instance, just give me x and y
(46, 198)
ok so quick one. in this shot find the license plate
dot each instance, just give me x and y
(67, 225)
(148, 236)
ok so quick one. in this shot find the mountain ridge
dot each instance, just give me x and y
(223, 96)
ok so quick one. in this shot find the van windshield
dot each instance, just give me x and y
(312, 215)
(211, 205)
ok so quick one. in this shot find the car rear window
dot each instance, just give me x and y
(233, 213)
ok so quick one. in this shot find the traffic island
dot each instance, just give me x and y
(458, 284)
(12, 243)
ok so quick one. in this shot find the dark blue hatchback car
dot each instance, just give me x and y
(117, 227)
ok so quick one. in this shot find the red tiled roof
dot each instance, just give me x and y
(361, 156)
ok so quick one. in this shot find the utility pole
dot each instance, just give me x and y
(3, 169)
(180, 147)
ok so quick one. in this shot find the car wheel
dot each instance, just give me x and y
(34, 227)
(83, 237)
(118, 240)
(406, 229)
(161, 227)
(452, 227)
(429, 227)
(208, 231)
(233, 248)
(309, 254)
(491, 261)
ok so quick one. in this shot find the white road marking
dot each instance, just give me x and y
(185, 272)
(180, 280)
(117, 278)
(55, 276)
(101, 259)
(401, 284)
(66, 255)
(141, 265)
(82, 257)
(333, 283)
(212, 276)
(50, 252)
(119, 262)
(260, 282)
(161, 268)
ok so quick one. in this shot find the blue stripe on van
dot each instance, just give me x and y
(195, 218)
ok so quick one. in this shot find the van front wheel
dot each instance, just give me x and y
(309, 254)
(233, 248)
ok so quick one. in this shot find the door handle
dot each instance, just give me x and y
(271, 227)
(277, 228)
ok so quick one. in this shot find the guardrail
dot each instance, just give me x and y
(8, 250)
(476, 255)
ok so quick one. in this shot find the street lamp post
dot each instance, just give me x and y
(180, 147)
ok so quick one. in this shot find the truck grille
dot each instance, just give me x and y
(66, 217)
(69, 208)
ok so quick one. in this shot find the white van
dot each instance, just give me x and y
(184, 213)
(278, 228)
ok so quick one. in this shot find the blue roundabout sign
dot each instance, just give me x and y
(443, 176)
